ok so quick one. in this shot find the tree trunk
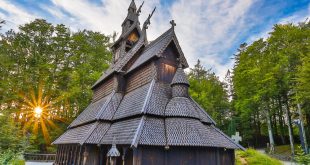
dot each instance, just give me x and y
(281, 124)
(308, 124)
(271, 140)
(289, 124)
(302, 129)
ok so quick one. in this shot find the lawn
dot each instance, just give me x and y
(252, 157)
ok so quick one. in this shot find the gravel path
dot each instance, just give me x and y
(284, 162)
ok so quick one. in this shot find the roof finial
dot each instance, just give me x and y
(139, 10)
(173, 24)
(147, 21)
(113, 152)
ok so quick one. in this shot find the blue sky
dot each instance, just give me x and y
(209, 30)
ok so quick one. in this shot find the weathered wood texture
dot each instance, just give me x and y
(183, 156)
(141, 77)
(103, 89)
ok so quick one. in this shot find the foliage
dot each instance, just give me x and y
(209, 92)
(49, 66)
(301, 157)
(269, 78)
(253, 157)
(12, 141)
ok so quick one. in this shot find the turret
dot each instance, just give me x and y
(180, 83)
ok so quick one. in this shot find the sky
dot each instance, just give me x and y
(209, 30)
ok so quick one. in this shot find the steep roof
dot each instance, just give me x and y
(180, 77)
(156, 48)
(154, 114)
(153, 49)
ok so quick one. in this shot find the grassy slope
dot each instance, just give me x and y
(252, 157)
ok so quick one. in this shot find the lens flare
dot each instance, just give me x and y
(38, 112)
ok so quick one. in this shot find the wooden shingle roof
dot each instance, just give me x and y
(180, 77)
(151, 114)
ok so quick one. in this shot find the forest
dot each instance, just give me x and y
(265, 96)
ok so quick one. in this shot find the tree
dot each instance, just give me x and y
(266, 77)
(12, 141)
(207, 90)
(48, 66)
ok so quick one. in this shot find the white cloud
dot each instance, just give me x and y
(105, 17)
(206, 29)
(53, 11)
(14, 15)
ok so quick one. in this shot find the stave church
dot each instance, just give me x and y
(141, 112)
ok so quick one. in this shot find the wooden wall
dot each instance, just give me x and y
(145, 155)
(140, 77)
(103, 89)
(183, 156)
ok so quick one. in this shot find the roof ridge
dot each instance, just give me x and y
(138, 132)
(148, 96)
(159, 38)
(219, 131)
(91, 130)
(213, 122)
(105, 105)
(116, 108)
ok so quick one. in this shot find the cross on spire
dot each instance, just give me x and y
(173, 24)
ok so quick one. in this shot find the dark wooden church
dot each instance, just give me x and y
(141, 111)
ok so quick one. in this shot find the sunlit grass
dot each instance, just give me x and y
(253, 157)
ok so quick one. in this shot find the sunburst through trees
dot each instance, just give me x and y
(39, 113)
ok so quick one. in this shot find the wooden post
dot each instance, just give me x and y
(70, 154)
(79, 157)
(85, 155)
(67, 154)
(61, 155)
(100, 155)
(57, 155)
(124, 154)
(75, 153)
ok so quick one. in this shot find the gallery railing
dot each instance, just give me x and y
(40, 157)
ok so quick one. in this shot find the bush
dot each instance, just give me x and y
(10, 157)
(301, 157)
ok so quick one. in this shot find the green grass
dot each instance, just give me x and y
(252, 157)
(18, 162)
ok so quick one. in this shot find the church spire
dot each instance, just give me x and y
(132, 16)
(132, 7)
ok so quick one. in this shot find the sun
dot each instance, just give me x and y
(38, 111)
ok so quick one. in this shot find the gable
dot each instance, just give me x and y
(157, 49)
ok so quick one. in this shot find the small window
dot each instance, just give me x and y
(133, 37)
